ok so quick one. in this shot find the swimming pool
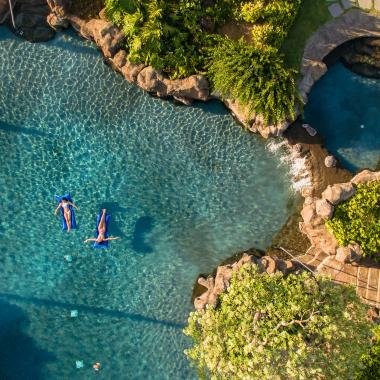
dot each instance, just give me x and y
(186, 188)
(345, 108)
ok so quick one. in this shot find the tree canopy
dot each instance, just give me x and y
(370, 361)
(280, 327)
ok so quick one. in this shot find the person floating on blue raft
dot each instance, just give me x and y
(102, 238)
(66, 204)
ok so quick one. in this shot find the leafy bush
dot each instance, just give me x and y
(164, 34)
(274, 16)
(285, 327)
(358, 219)
(255, 77)
(168, 35)
(370, 361)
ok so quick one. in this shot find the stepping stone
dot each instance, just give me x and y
(365, 4)
(373, 278)
(347, 275)
(376, 4)
(335, 10)
(362, 281)
(347, 4)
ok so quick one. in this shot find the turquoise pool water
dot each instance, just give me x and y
(186, 188)
(345, 108)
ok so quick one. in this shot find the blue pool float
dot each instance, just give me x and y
(103, 244)
(58, 198)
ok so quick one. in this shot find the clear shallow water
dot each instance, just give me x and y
(345, 108)
(186, 188)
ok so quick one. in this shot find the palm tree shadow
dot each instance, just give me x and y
(143, 227)
(23, 130)
(20, 358)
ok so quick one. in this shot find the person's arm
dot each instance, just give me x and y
(56, 210)
(111, 238)
(89, 239)
(74, 205)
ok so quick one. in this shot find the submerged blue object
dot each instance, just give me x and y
(58, 198)
(73, 313)
(79, 364)
(103, 244)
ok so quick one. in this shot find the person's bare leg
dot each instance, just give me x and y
(102, 223)
(68, 220)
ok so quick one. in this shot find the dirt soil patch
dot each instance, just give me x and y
(235, 31)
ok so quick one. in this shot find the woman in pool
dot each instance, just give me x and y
(101, 231)
(65, 203)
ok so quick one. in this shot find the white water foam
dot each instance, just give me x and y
(289, 156)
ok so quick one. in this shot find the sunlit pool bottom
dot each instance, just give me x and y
(186, 188)
(345, 108)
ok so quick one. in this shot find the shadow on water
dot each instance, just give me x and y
(20, 358)
(215, 107)
(26, 131)
(70, 41)
(116, 212)
(143, 227)
(84, 308)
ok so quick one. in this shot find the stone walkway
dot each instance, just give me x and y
(365, 279)
(338, 7)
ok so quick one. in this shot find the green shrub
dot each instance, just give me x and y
(358, 219)
(280, 327)
(167, 34)
(274, 16)
(164, 34)
(370, 361)
(256, 77)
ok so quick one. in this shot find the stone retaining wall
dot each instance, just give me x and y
(110, 38)
(351, 25)
(317, 210)
(215, 285)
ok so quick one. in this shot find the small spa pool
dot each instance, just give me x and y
(345, 108)
(186, 188)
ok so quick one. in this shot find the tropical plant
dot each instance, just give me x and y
(164, 34)
(357, 220)
(168, 35)
(370, 361)
(256, 77)
(280, 327)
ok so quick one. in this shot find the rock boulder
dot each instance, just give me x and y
(107, 36)
(330, 161)
(366, 176)
(194, 87)
(308, 213)
(216, 286)
(119, 60)
(324, 209)
(57, 22)
(350, 254)
(131, 71)
(31, 20)
(152, 80)
(338, 193)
